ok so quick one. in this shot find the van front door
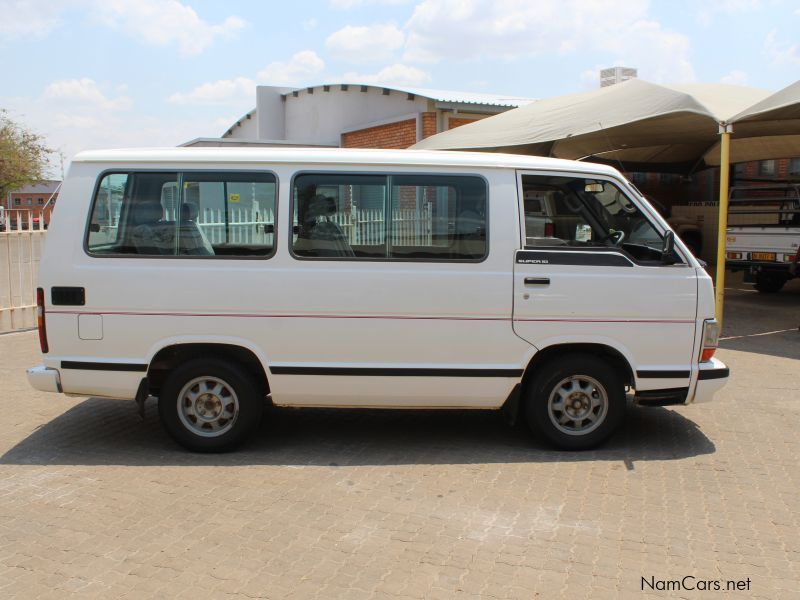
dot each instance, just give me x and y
(595, 274)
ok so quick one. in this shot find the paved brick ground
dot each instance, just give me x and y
(95, 502)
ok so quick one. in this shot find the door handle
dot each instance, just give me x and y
(537, 281)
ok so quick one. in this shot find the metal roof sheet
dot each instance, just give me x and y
(43, 187)
(441, 95)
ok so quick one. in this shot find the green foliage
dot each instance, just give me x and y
(23, 156)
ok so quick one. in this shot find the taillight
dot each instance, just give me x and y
(734, 255)
(549, 230)
(40, 322)
(710, 339)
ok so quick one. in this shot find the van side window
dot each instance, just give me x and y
(227, 214)
(192, 214)
(390, 217)
(104, 233)
(339, 216)
(586, 213)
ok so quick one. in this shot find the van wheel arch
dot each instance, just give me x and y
(611, 355)
(170, 357)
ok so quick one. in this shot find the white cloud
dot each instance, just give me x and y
(165, 22)
(348, 4)
(590, 78)
(84, 93)
(514, 29)
(708, 9)
(659, 55)
(295, 71)
(310, 24)
(228, 92)
(61, 120)
(781, 53)
(365, 44)
(25, 18)
(735, 77)
(395, 74)
(239, 92)
(80, 128)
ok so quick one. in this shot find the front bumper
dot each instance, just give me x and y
(44, 379)
(711, 377)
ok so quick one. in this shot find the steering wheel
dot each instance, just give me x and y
(615, 237)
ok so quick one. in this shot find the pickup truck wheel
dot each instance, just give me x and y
(576, 402)
(209, 405)
(767, 284)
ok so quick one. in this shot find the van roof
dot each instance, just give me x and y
(339, 156)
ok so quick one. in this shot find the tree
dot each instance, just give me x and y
(23, 156)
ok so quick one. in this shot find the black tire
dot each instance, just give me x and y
(583, 368)
(769, 284)
(197, 434)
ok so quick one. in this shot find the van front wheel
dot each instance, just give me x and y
(576, 402)
(209, 405)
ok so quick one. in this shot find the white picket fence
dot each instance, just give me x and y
(361, 227)
(368, 227)
(244, 226)
(21, 240)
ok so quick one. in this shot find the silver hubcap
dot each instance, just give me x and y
(577, 405)
(208, 406)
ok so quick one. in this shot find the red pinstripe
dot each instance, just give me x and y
(385, 317)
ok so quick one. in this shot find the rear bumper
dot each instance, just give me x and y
(711, 377)
(44, 379)
(760, 267)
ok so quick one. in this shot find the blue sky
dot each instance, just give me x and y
(113, 73)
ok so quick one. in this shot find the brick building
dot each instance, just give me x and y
(31, 202)
(356, 116)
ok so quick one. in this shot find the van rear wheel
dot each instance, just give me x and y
(210, 405)
(576, 402)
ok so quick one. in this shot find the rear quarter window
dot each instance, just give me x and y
(174, 214)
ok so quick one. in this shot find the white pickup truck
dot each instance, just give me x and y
(767, 248)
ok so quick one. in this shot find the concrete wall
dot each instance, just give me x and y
(248, 130)
(20, 252)
(323, 116)
(270, 114)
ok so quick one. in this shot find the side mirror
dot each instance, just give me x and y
(668, 254)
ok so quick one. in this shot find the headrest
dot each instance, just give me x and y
(146, 213)
(188, 211)
(319, 206)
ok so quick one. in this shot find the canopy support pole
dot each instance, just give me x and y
(725, 131)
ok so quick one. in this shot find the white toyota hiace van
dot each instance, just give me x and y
(214, 279)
